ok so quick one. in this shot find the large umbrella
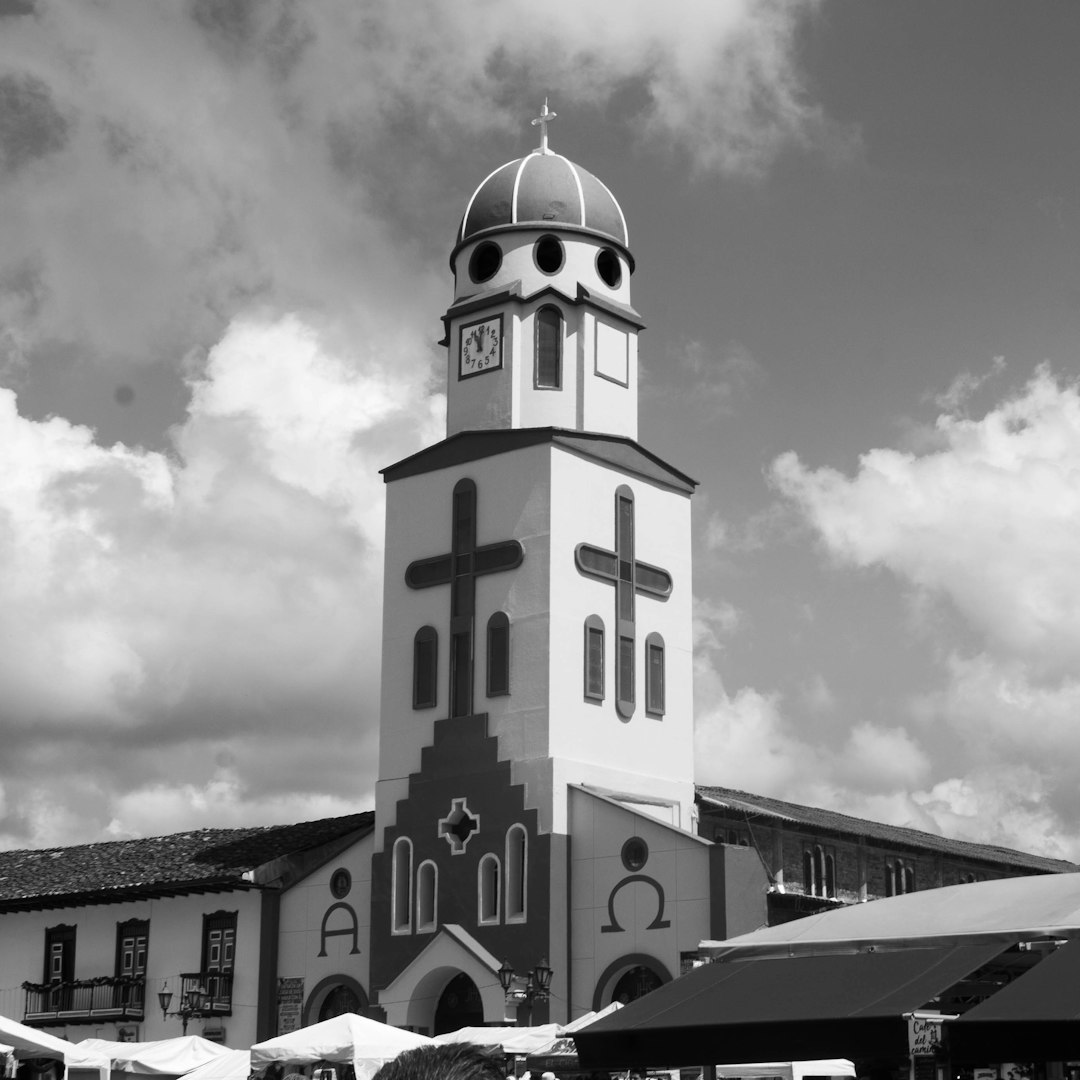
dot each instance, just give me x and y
(29, 1042)
(349, 1039)
(512, 1039)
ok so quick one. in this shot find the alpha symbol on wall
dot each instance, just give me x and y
(458, 825)
(629, 576)
(459, 569)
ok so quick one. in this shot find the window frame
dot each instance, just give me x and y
(498, 624)
(425, 639)
(654, 643)
(539, 383)
(401, 873)
(488, 895)
(134, 929)
(427, 905)
(594, 625)
(224, 921)
(516, 890)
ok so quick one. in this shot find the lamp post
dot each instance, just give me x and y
(193, 1002)
(525, 989)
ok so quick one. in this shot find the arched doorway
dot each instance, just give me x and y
(342, 999)
(637, 982)
(459, 1006)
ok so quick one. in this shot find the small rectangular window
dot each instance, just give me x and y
(498, 669)
(626, 668)
(425, 666)
(594, 659)
(654, 675)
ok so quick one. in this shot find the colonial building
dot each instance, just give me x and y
(538, 847)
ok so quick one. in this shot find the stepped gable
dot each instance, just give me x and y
(460, 770)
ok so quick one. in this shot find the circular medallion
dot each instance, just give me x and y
(340, 883)
(635, 854)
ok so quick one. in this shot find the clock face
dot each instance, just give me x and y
(481, 347)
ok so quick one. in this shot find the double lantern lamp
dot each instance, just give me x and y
(193, 1002)
(536, 983)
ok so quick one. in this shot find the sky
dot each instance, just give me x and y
(224, 232)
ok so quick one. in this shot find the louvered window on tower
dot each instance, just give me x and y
(594, 658)
(654, 674)
(549, 334)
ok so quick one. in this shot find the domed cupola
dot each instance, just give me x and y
(540, 191)
(541, 310)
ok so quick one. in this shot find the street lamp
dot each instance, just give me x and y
(532, 987)
(193, 1002)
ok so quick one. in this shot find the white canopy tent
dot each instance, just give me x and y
(232, 1065)
(513, 1040)
(787, 1070)
(162, 1058)
(349, 1039)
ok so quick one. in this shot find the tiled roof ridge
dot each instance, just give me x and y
(216, 834)
(768, 804)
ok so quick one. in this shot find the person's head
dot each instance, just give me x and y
(449, 1061)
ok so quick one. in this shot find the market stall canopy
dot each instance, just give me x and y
(1035, 1018)
(513, 1040)
(365, 1044)
(232, 1065)
(163, 1057)
(854, 1004)
(1005, 910)
(29, 1042)
(788, 1070)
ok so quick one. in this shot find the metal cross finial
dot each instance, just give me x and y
(545, 118)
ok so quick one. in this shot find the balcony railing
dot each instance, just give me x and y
(84, 1000)
(217, 985)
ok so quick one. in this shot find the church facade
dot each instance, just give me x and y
(538, 848)
(537, 653)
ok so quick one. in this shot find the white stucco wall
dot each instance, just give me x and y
(303, 908)
(677, 861)
(174, 947)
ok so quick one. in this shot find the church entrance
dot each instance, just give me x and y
(459, 1006)
(635, 983)
(342, 999)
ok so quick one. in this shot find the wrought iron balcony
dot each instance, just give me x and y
(84, 1000)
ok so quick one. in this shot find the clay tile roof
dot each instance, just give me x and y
(742, 802)
(202, 860)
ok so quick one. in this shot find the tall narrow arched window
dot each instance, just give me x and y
(654, 675)
(549, 335)
(498, 655)
(830, 876)
(517, 860)
(425, 667)
(594, 658)
(488, 887)
(809, 873)
(401, 894)
(820, 878)
(427, 897)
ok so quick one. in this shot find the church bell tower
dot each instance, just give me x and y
(537, 607)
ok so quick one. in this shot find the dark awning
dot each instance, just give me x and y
(841, 1005)
(1035, 1018)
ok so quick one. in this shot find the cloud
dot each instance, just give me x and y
(989, 521)
(216, 603)
(167, 166)
(984, 524)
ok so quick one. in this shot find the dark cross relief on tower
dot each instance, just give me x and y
(629, 576)
(459, 569)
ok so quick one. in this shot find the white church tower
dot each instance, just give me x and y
(537, 664)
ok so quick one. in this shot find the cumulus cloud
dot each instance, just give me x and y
(986, 523)
(257, 199)
(219, 603)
